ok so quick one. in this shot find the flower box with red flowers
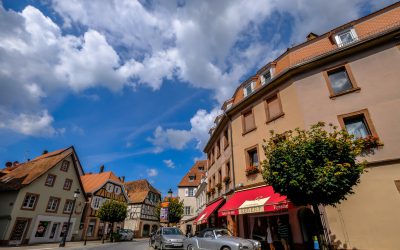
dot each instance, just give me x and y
(218, 186)
(250, 170)
(227, 180)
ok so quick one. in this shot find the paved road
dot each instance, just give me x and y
(136, 244)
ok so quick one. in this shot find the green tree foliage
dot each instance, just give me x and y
(175, 210)
(316, 166)
(113, 211)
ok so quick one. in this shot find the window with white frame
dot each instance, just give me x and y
(52, 205)
(117, 190)
(67, 184)
(266, 77)
(30, 201)
(248, 89)
(110, 187)
(96, 202)
(187, 210)
(191, 191)
(68, 206)
(346, 37)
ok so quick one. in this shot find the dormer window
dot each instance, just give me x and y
(266, 77)
(248, 89)
(201, 168)
(346, 37)
(192, 178)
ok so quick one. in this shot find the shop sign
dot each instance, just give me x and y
(283, 206)
(253, 206)
(164, 214)
(251, 210)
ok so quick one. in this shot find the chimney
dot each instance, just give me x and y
(9, 164)
(122, 178)
(311, 36)
(45, 152)
(101, 169)
(15, 163)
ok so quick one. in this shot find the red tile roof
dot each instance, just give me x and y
(16, 177)
(138, 190)
(196, 172)
(92, 182)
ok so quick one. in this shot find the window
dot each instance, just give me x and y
(266, 77)
(220, 176)
(192, 178)
(68, 206)
(67, 184)
(191, 192)
(252, 157)
(97, 202)
(201, 168)
(248, 121)
(117, 190)
(51, 178)
(340, 80)
(187, 210)
(273, 107)
(248, 89)
(64, 166)
(346, 37)
(110, 187)
(358, 123)
(30, 201)
(52, 205)
(217, 149)
(226, 140)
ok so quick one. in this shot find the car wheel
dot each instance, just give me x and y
(190, 247)
(226, 248)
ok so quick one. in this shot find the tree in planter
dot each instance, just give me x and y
(112, 211)
(314, 167)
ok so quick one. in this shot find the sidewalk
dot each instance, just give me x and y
(48, 246)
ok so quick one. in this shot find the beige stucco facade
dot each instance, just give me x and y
(39, 214)
(368, 219)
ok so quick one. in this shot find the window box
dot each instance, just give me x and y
(212, 190)
(250, 170)
(227, 180)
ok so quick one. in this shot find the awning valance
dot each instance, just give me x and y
(256, 200)
(203, 216)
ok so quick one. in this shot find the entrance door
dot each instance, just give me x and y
(19, 231)
(54, 231)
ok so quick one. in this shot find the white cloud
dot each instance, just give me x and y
(152, 172)
(201, 123)
(169, 163)
(30, 124)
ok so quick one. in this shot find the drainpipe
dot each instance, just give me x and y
(233, 161)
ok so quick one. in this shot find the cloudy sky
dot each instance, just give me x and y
(136, 85)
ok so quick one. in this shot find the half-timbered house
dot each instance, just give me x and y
(143, 198)
(99, 188)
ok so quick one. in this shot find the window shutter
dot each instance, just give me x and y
(245, 91)
(262, 79)
(186, 192)
(249, 121)
(194, 191)
(274, 107)
(253, 86)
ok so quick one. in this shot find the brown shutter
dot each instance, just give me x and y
(274, 107)
(248, 121)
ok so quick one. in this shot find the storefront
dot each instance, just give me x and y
(51, 229)
(209, 217)
(256, 214)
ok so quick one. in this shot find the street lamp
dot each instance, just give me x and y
(170, 199)
(64, 238)
(170, 193)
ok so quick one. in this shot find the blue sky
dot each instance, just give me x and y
(136, 85)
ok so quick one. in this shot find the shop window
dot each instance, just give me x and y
(358, 124)
(67, 184)
(340, 80)
(64, 166)
(42, 229)
(273, 107)
(51, 178)
(30, 201)
(248, 121)
(52, 204)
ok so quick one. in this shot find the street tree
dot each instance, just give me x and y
(175, 210)
(315, 167)
(112, 211)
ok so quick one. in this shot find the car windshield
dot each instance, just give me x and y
(222, 232)
(172, 231)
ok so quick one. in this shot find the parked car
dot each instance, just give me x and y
(168, 238)
(219, 238)
(126, 234)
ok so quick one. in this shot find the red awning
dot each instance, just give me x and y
(256, 200)
(203, 216)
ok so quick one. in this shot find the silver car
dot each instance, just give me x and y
(219, 239)
(168, 238)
